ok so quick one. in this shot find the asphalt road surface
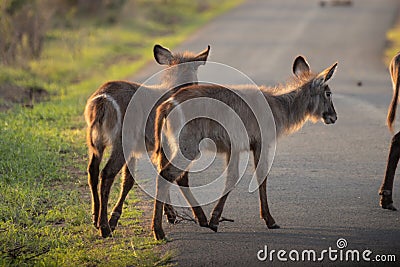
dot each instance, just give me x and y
(324, 181)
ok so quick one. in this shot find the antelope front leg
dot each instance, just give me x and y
(261, 172)
(217, 212)
(264, 210)
(232, 163)
(126, 185)
(386, 188)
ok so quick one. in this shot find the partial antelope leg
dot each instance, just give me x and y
(93, 181)
(162, 187)
(385, 191)
(126, 185)
(169, 211)
(232, 161)
(198, 212)
(168, 174)
(264, 209)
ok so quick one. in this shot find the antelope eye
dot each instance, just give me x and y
(328, 94)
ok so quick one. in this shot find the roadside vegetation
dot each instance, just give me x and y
(66, 49)
(393, 38)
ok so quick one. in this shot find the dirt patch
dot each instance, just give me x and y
(27, 97)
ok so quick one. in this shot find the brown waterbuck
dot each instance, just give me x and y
(306, 97)
(386, 188)
(104, 114)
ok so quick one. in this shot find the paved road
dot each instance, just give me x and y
(324, 181)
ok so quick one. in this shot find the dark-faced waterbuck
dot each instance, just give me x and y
(385, 191)
(306, 97)
(104, 114)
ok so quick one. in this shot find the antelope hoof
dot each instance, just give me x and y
(159, 234)
(105, 231)
(113, 222)
(389, 207)
(386, 201)
(213, 227)
(273, 226)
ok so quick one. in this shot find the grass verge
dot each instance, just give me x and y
(44, 199)
(393, 38)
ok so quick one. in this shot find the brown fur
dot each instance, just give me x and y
(306, 97)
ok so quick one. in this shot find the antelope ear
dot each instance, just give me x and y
(325, 75)
(162, 55)
(300, 66)
(203, 55)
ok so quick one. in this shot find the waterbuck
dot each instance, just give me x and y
(386, 188)
(306, 97)
(104, 114)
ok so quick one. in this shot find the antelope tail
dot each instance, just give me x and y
(103, 118)
(394, 73)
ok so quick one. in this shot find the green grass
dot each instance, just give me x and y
(44, 197)
(393, 37)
